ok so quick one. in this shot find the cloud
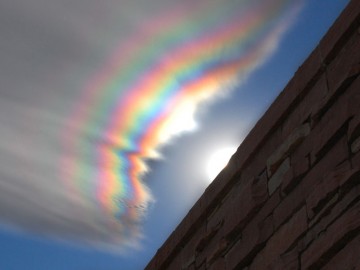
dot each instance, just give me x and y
(89, 92)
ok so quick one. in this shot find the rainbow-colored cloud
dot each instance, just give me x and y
(149, 90)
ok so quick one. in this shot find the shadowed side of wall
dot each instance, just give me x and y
(290, 196)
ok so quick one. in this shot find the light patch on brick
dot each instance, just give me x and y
(276, 179)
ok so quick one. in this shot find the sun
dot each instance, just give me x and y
(218, 161)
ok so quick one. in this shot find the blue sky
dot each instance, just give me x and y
(176, 180)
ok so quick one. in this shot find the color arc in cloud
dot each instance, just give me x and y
(149, 90)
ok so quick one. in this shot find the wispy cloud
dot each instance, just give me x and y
(90, 92)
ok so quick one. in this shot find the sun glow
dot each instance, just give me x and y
(218, 161)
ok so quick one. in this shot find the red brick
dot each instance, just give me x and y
(331, 212)
(344, 67)
(308, 73)
(238, 255)
(326, 186)
(282, 240)
(266, 229)
(209, 254)
(253, 236)
(297, 197)
(240, 192)
(257, 137)
(269, 207)
(354, 100)
(189, 252)
(175, 263)
(304, 150)
(324, 212)
(288, 260)
(225, 180)
(299, 167)
(216, 250)
(219, 264)
(277, 177)
(259, 188)
(354, 128)
(288, 145)
(279, 109)
(346, 94)
(205, 238)
(188, 263)
(288, 182)
(355, 145)
(303, 111)
(347, 258)
(257, 162)
(330, 126)
(331, 241)
(246, 200)
(330, 44)
(244, 249)
(288, 205)
(355, 160)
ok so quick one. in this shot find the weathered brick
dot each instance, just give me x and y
(299, 167)
(347, 258)
(253, 236)
(282, 240)
(266, 229)
(206, 237)
(288, 205)
(327, 186)
(304, 151)
(353, 101)
(331, 127)
(354, 125)
(288, 181)
(330, 213)
(276, 179)
(344, 100)
(269, 207)
(245, 248)
(343, 68)
(281, 153)
(288, 260)
(259, 188)
(308, 73)
(219, 264)
(189, 263)
(190, 253)
(216, 250)
(257, 162)
(246, 201)
(355, 145)
(331, 241)
(306, 107)
(355, 159)
(333, 41)
(296, 198)
(175, 263)
(326, 210)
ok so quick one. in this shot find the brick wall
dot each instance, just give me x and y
(290, 196)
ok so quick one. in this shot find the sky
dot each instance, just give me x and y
(109, 112)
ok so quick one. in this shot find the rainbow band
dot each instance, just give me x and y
(160, 75)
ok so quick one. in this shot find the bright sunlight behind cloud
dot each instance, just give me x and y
(91, 91)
